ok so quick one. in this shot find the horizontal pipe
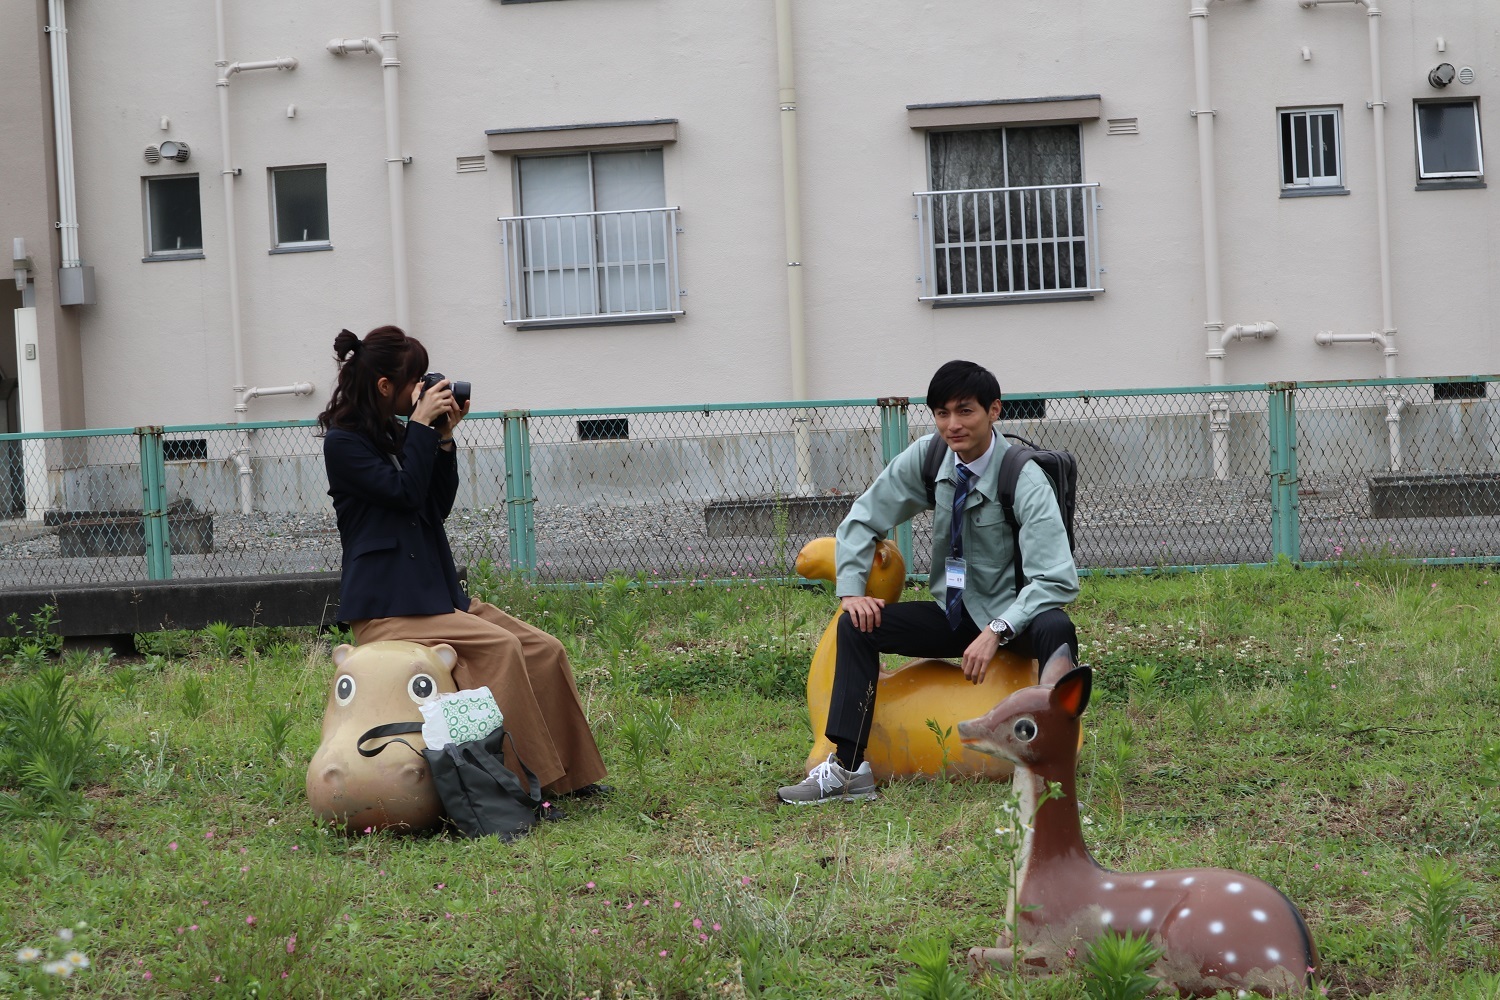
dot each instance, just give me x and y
(1326, 337)
(1249, 331)
(285, 62)
(346, 46)
(295, 389)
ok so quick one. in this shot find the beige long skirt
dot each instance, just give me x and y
(528, 673)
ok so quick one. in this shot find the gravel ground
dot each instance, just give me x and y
(1181, 522)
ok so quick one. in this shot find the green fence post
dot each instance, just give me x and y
(154, 504)
(895, 435)
(519, 501)
(1286, 532)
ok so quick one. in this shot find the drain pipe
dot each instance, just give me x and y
(786, 73)
(228, 69)
(62, 123)
(395, 160)
(1386, 337)
(1218, 336)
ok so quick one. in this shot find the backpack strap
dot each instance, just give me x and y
(1014, 459)
(932, 461)
(389, 729)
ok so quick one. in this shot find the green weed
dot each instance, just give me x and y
(1115, 967)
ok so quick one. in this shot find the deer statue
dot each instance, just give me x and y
(1216, 929)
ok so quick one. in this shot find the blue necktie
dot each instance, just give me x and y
(956, 540)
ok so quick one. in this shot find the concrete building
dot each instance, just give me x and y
(711, 202)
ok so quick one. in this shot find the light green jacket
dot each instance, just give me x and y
(990, 591)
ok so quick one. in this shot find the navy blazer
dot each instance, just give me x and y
(396, 556)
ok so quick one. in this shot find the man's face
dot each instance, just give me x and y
(965, 425)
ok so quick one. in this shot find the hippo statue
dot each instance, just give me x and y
(374, 684)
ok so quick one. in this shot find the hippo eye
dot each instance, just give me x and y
(1025, 729)
(421, 687)
(343, 691)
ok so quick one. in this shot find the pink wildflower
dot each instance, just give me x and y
(291, 944)
(588, 885)
(697, 924)
(172, 846)
(250, 920)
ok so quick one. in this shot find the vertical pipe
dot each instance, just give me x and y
(395, 162)
(1213, 323)
(62, 126)
(1394, 403)
(792, 208)
(232, 264)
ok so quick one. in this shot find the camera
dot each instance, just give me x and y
(460, 391)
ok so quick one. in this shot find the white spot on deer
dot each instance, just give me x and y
(1273, 954)
(1149, 883)
(1189, 880)
(1183, 912)
(1109, 885)
(1106, 917)
(1229, 956)
(1146, 916)
(1217, 927)
(1259, 915)
(1235, 887)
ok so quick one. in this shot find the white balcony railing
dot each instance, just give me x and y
(591, 266)
(995, 244)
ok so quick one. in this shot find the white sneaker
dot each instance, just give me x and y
(828, 782)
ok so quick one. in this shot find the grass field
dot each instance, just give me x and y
(1334, 732)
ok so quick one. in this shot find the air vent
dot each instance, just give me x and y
(608, 429)
(153, 154)
(184, 449)
(1124, 126)
(472, 165)
(1458, 390)
(1023, 409)
(1466, 74)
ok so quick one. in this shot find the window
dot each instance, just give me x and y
(1008, 215)
(1311, 153)
(605, 429)
(299, 208)
(1448, 141)
(1458, 390)
(174, 220)
(593, 240)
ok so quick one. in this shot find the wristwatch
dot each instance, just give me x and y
(1002, 629)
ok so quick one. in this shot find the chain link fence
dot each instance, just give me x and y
(1167, 478)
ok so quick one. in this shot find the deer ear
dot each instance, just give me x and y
(1071, 693)
(1056, 667)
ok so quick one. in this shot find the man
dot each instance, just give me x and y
(978, 605)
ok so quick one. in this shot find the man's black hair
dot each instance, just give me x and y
(960, 380)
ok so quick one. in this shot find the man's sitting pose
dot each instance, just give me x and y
(978, 605)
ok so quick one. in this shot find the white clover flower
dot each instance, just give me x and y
(28, 955)
(76, 959)
(58, 968)
(66, 933)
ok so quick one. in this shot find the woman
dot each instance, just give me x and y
(392, 488)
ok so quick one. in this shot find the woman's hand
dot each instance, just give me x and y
(454, 416)
(436, 402)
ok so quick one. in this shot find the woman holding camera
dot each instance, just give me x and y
(393, 486)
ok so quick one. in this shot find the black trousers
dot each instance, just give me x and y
(917, 628)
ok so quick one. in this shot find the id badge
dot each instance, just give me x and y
(955, 576)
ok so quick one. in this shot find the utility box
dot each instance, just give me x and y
(75, 285)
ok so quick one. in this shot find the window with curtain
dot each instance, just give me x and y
(595, 234)
(1004, 218)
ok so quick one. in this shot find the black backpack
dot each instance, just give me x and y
(1061, 469)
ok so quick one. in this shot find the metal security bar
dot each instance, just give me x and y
(591, 265)
(992, 244)
(1168, 478)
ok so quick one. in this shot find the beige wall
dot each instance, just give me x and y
(28, 196)
(156, 346)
